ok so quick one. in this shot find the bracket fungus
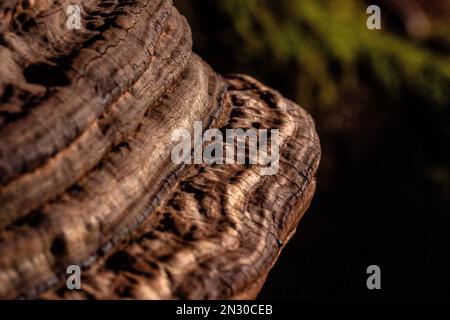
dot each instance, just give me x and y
(86, 176)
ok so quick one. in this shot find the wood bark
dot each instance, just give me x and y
(86, 176)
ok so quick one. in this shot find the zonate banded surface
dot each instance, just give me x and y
(86, 173)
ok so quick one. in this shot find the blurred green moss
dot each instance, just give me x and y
(312, 34)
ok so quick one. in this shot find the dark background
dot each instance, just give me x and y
(380, 100)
